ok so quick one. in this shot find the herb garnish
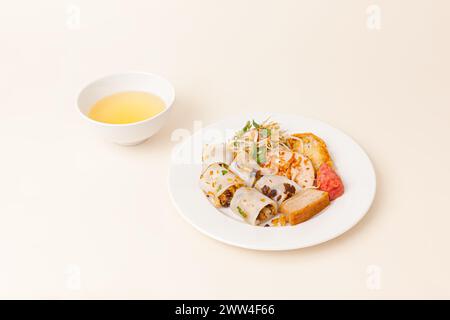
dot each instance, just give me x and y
(261, 156)
(247, 127)
(242, 212)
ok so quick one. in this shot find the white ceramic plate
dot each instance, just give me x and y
(352, 164)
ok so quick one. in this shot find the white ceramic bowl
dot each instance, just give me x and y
(130, 133)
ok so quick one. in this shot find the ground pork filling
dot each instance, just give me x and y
(265, 214)
(226, 196)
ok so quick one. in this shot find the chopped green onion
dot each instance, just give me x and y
(264, 133)
(219, 187)
(224, 172)
(242, 212)
(255, 125)
(254, 152)
(261, 157)
(247, 127)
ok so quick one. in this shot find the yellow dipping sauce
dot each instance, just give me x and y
(126, 107)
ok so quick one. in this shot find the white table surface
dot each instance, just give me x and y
(83, 218)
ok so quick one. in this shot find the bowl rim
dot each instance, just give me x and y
(154, 75)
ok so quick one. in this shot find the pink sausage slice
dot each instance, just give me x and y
(329, 181)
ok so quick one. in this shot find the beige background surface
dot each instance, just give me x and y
(82, 218)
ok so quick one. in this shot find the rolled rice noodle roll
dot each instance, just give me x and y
(278, 188)
(254, 207)
(219, 184)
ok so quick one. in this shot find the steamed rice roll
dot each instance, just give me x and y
(253, 206)
(219, 184)
(278, 188)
